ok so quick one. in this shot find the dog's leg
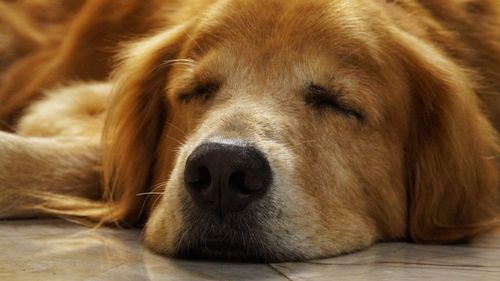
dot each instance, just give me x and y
(33, 168)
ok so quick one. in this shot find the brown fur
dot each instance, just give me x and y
(421, 163)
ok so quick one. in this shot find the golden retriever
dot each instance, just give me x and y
(265, 130)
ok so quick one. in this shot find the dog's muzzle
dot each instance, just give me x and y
(229, 204)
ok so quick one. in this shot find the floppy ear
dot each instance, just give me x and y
(452, 150)
(135, 123)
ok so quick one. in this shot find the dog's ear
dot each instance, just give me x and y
(452, 149)
(135, 122)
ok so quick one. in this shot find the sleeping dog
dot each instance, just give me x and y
(265, 130)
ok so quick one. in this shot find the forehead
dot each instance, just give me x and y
(268, 31)
(272, 24)
(284, 43)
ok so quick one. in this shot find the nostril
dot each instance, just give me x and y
(199, 178)
(239, 181)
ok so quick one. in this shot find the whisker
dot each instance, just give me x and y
(152, 192)
(149, 193)
(194, 42)
(302, 143)
(174, 139)
(185, 62)
(156, 200)
(176, 127)
(158, 185)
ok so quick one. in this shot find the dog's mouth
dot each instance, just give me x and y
(223, 248)
(219, 244)
(235, 237)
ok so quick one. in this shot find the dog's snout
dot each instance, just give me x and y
(226, 177)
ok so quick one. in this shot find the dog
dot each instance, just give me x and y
(262, 130)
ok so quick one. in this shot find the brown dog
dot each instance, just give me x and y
(257, 130)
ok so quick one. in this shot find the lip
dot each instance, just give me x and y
(220, 249)
(223, 246)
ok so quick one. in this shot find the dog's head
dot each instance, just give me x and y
(287, 130)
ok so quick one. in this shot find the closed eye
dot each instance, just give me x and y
(320, 98)
(201, 91)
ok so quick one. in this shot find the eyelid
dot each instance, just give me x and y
(320, 96)
(198, 90)
(317, 90)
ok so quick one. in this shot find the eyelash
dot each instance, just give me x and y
(202, 91)
(320, 98)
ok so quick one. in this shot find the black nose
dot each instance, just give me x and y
(226, 177)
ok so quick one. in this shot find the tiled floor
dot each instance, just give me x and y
(56, 250)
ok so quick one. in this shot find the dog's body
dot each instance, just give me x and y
(356, 121)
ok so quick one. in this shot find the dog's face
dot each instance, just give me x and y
(287, 153)
(283, 132)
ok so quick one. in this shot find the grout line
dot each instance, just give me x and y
(279, 272)
(395, 263)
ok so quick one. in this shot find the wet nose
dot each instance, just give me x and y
(226, 177)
